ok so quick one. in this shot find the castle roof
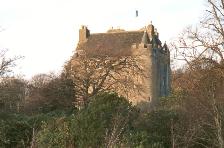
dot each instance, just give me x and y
(116, 42)
(111, 44)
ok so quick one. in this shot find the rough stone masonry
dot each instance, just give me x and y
(144, 45)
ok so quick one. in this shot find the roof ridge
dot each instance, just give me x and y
(138, 31)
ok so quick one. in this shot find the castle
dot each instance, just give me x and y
(145, 46)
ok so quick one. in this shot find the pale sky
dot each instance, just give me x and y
(45, 32)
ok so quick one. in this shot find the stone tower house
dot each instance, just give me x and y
(144, 44)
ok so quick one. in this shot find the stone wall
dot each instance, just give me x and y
(154, 80)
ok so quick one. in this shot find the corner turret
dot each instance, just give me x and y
(150, 30)
(145, 39)
(165, 47)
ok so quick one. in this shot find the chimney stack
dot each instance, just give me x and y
(84, 33)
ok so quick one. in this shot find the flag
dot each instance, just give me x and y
(136, 13)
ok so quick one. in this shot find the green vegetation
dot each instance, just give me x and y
(108, 120)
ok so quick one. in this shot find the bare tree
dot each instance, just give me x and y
(94, 75)
(114, 135)
(200, 106)
(12, 94)
(202, 48)
(205, 40)
(6, 64)
(34, 95)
